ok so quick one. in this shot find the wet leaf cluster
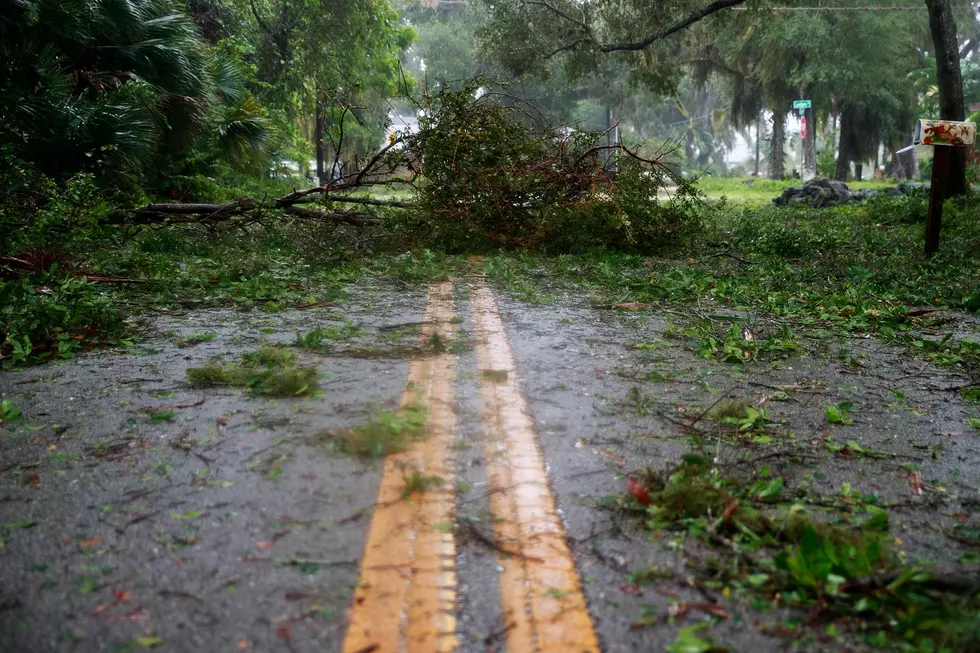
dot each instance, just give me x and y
(270, 371)
(770, 544)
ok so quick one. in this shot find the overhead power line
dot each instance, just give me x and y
(781, 10)
(775, 8)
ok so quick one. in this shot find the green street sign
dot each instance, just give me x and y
(801, 104)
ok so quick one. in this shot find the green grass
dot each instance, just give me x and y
(751, 191)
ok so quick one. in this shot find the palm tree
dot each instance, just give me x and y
(98, 85)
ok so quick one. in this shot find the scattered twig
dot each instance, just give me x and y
(153, 408)
(112, 279)
(964, 584)
(954, 388)
(767, 456)
(963, 540)
(708, 409)
(488, 541)
(293, 562)
(732, 256)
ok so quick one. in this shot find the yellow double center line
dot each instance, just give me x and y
(406, 598)
(405, 602)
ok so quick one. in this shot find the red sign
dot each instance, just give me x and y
(803, 127)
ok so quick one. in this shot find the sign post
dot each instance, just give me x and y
(808, 167)
(942, 134)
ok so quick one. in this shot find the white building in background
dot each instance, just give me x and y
(400, 123)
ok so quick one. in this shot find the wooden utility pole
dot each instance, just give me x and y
(940, 170)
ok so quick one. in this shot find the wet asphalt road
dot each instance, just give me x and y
(239, 525)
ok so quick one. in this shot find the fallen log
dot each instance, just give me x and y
(367, 201)
(374, 172)
(191, 209)
(350, 218)
(202, 213)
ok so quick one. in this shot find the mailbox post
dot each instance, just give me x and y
(942, 134)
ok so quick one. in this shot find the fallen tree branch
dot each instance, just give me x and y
(356, 219)
(491, 543)
(360, 200)
(192, 209)
(368, 201)
(111, 279)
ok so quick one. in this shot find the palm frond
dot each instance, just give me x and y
(245, 134)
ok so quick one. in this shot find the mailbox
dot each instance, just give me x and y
(944, 132)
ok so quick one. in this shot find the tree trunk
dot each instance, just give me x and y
(844, 145)
(321, 178)
(777, 155)
(858, 171)
(758, 139)
(904, 165)
(950, 81)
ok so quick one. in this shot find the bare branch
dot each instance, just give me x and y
(377, 157)
(968, 47)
